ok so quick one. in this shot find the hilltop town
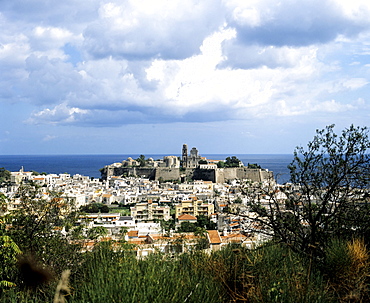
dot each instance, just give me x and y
(191, 166)
(155, 202)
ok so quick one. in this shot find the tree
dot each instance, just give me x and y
(141, 160)
(9, 252)
(4, 175)
(205, 222)
(37, 226)
(167, 226)
(94, 208)
(254, 166)
(238, 200)
(202, 240)
(187, 227)
(329, 196)
(96, 232)
(232, 162)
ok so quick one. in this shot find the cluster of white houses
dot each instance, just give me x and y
(147, 203)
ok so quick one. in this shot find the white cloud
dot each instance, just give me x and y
(49, 138)
(61, 113)
(168, 29)
(174, 60)
(355, 83)
(358, 10)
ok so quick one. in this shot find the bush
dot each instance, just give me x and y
(347, 267)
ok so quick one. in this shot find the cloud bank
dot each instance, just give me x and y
(113, 63)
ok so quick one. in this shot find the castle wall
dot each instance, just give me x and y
(204, 174)
(167, 173)
(219, 175)
(147, 172)
(231, 173)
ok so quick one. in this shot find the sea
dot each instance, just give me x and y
(89, 165)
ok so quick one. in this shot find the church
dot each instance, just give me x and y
(190, 160)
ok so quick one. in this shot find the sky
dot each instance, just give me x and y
(128, 76)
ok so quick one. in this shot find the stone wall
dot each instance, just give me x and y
(256, 175)
(204, 174)
(146, 172)
(167, 174)
(219, 175)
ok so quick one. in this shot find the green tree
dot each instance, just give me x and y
(141, 160)
(187, 227)
(220, 164)
(96, 232)
(3, 203)
(177, 245)
(254, 166)
(238, 200)
(232, 162)
(4, 175)
(167, 226)
(9, 251)
(37, 227)
(205, 222)
(94, 208)
(329, 198)
(202, 241)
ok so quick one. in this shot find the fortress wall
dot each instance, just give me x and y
(256, 175)
(146, 172)
(204, 174)
(231, 173)
(251, 174)
(167, 173)
(219, 175)
(267, 175)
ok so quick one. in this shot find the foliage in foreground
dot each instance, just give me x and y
(272, 273)
(328, 197)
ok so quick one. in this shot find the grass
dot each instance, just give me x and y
(272, 273)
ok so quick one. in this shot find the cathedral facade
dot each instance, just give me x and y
(190, 160)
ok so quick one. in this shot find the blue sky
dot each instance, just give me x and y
(235, 76)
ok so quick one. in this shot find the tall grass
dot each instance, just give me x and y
(121, 277)
(271, 273)
(347, 266)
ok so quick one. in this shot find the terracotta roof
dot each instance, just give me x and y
(137, 240)
(214, 237)
(237, 237)
(133, 233)
(185, 217)
(185, 236)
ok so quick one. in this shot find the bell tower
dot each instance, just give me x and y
(184, 157)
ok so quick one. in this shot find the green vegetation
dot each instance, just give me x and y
(94, 208)
(318, 251)
(4, 175)
(332, 199)
(202, 222)
(272, 273)
(141, 160)
(229, 162)
(254, 166)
